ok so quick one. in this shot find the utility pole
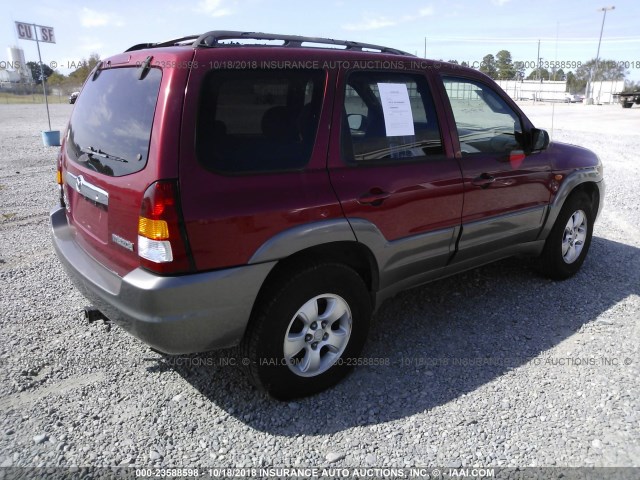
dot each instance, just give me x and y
(538, 71)
(589, 99)
(538, 75)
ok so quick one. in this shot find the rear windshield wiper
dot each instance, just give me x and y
(97, 152)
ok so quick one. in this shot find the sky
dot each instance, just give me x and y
(464, 30)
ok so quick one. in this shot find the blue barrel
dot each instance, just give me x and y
(51, 138)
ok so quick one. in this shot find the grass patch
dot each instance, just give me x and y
(12, 98)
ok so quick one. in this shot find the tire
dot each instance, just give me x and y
(568, 242)
(289, 349)
(627, 104)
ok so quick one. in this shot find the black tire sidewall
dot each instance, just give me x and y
(553, 262)
(266, 353)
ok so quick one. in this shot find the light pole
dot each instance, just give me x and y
(589, 99)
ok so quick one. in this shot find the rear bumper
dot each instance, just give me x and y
(182, 314)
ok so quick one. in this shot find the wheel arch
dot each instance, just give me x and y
(350, 253)
(593, 192)
(568, 243)
(587, 180)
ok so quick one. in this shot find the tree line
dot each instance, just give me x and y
(67, 83)
(502, 67)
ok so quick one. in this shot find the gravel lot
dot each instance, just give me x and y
(495, 367)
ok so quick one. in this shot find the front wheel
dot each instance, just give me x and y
(569, 240)
(308, 332)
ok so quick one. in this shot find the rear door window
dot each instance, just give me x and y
(389, 117)
(258, 120)
(110, 127)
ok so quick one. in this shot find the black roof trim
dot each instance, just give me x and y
(212, 40)
(168, 43)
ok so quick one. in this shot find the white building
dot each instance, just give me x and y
(9, 76)
(550, 91)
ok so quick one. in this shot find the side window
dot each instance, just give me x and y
(258, 120)
(485, 123)
(387, 118)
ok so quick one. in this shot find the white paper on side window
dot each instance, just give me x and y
(398, 118)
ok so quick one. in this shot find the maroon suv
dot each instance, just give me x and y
(216, 191)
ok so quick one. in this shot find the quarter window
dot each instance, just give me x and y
(485, 123)
(260, 120)
(388, 118)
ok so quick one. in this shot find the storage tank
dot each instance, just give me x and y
(16, 59)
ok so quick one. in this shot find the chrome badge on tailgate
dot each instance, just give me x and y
(86, 189)
(118, 240)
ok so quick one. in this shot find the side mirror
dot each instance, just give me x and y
(539, 139)
(356, 121)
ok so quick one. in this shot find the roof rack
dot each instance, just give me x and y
(214, 38)
(168, 43)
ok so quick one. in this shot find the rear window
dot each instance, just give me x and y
(110, 127)
(259, 120)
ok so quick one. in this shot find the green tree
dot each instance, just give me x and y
(575, 85)
(519, 70)
(630, 86)
(557, 75)
(607, 70)
(488, 66)
(62, 83)
(504, 65)
(539, 73)
(79, 75)
(36, 73)
(56, 80)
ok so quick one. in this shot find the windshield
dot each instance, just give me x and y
(110, 127)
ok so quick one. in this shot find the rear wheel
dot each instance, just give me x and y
(569, 239)
(305, 336)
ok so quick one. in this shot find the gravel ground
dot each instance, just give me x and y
(494, 367)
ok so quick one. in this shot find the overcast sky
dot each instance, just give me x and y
(454, 29)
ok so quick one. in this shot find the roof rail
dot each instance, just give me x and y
(188, 40)
(214, 38)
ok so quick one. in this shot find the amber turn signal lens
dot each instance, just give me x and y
(153, 229)
(59, 177)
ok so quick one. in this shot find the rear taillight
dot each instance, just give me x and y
(162, 243)
(60, 182)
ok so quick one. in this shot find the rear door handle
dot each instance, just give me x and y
(374, 197)
(483, 180)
